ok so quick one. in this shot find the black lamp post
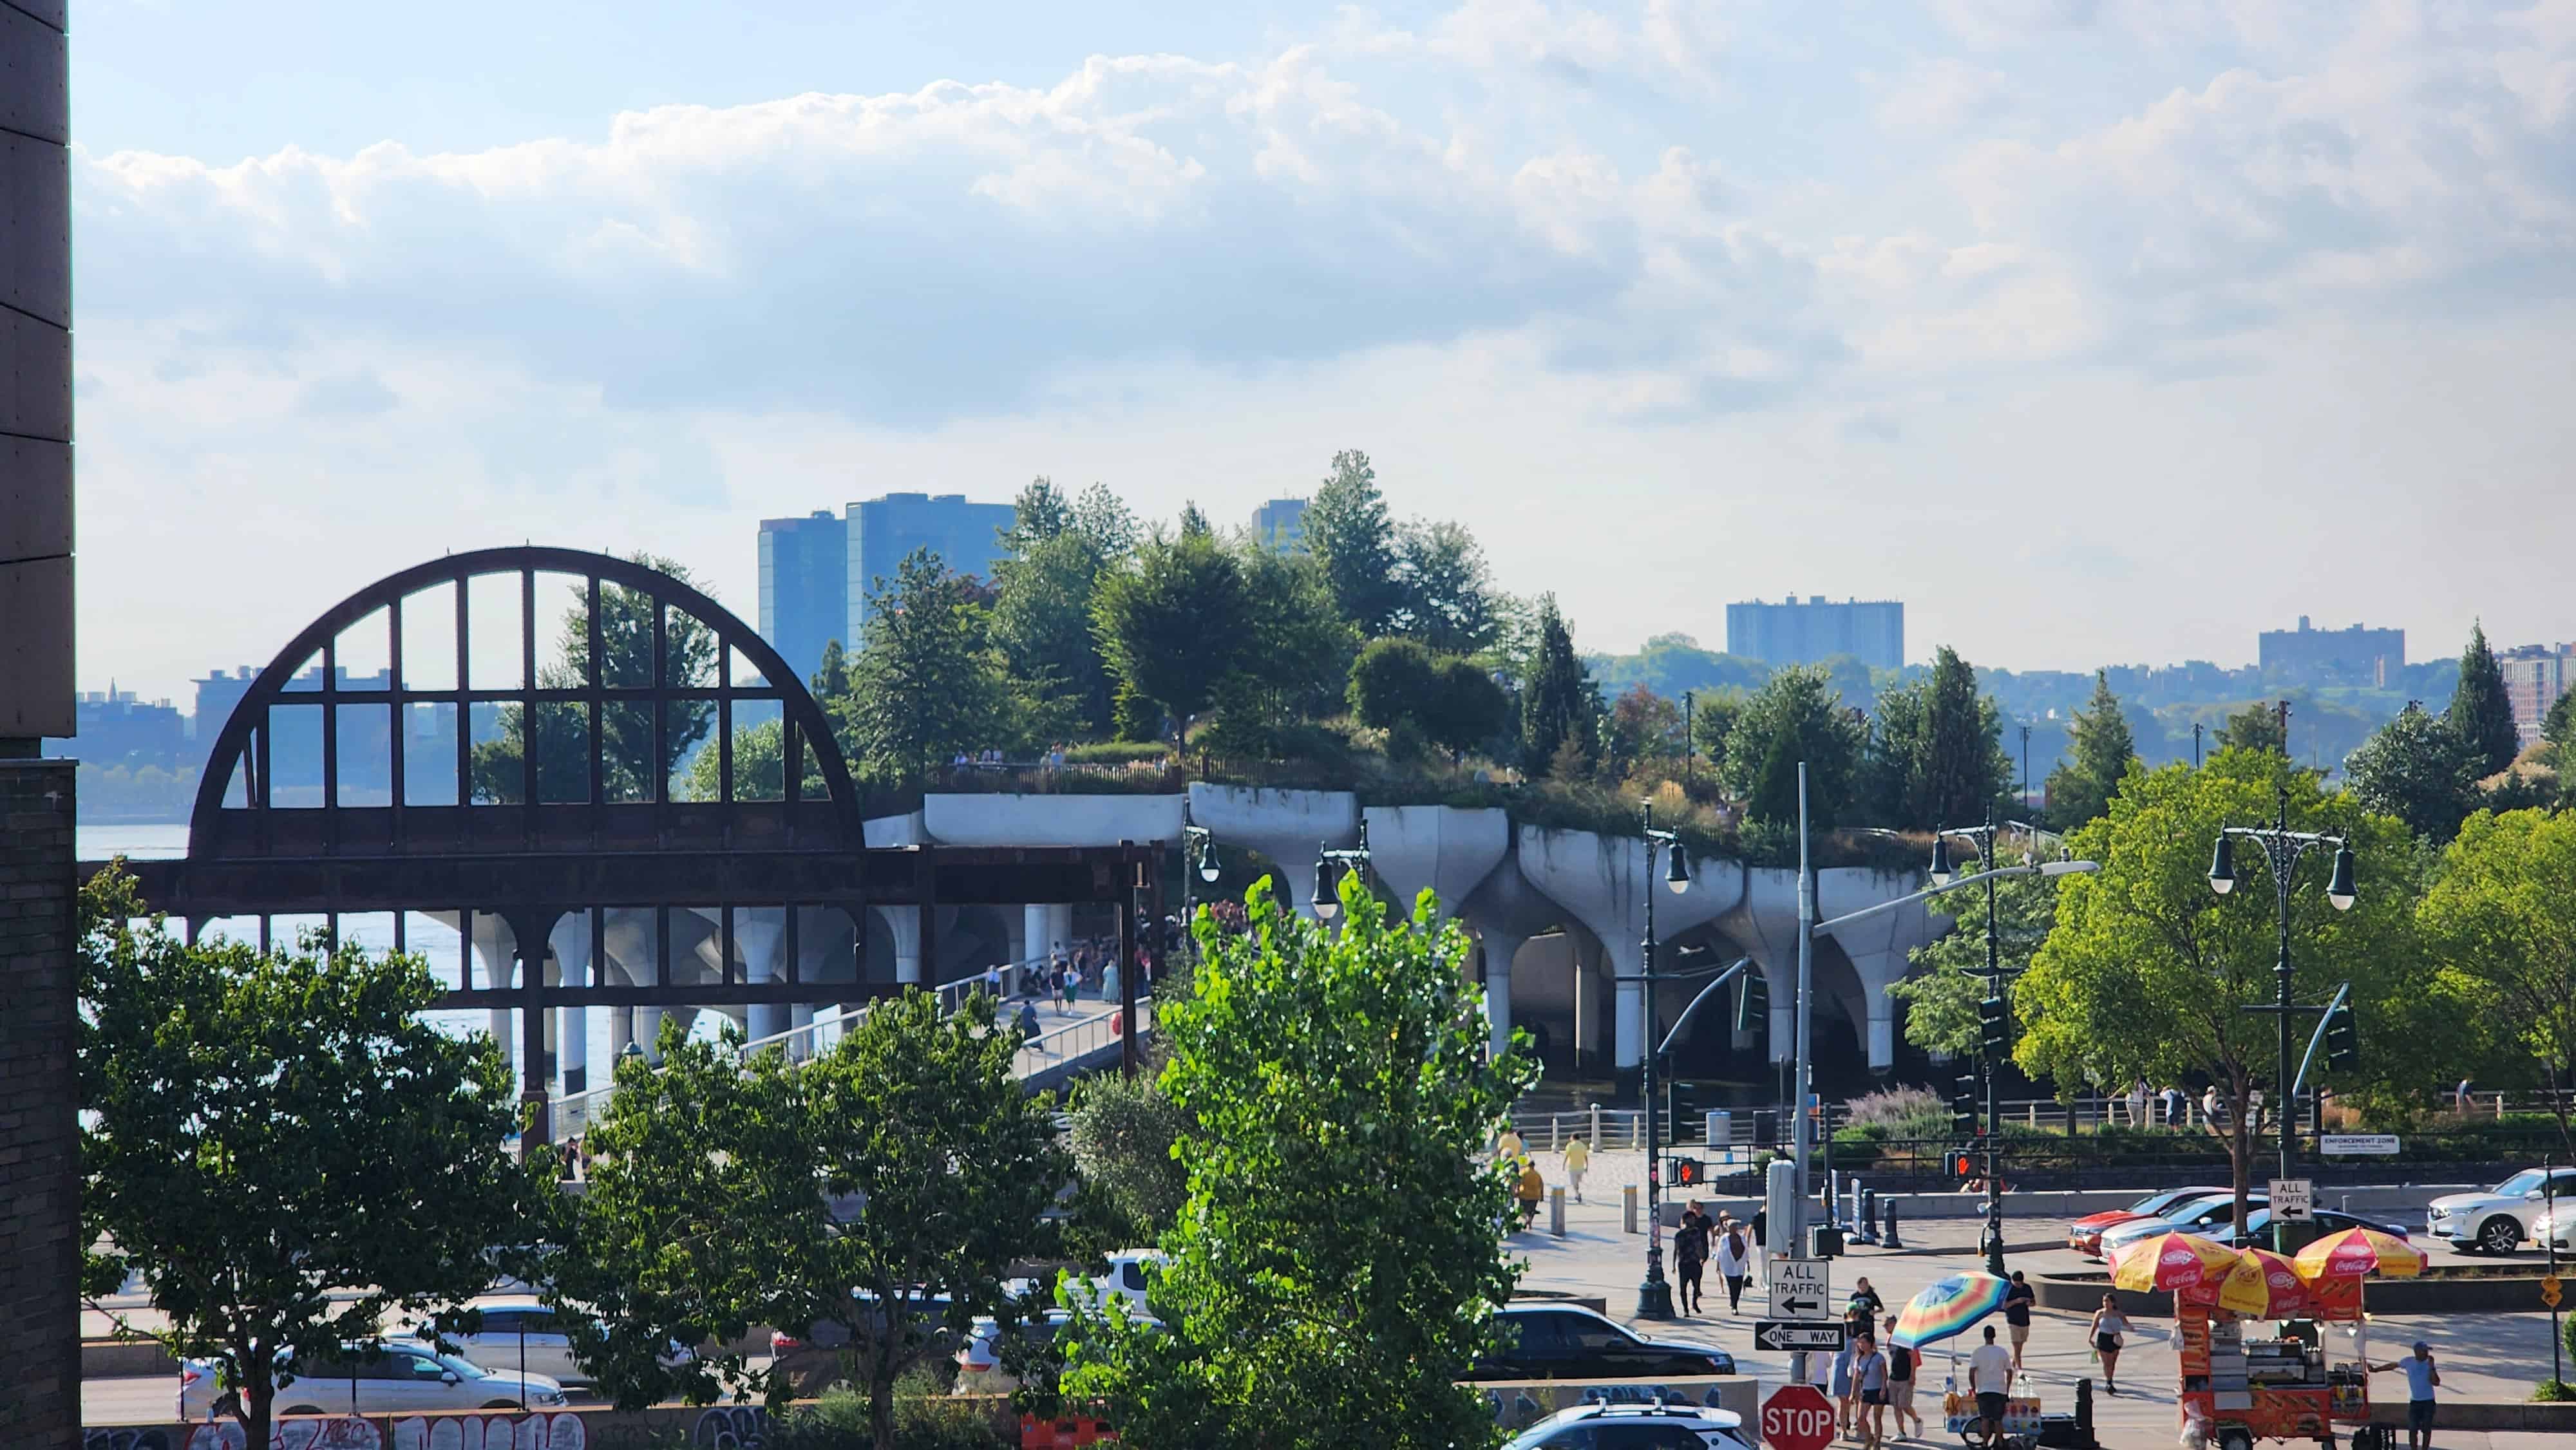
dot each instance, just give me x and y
(1655, 1295)
(1356, 858)
(1992, 1017)
(1198, 858)
(2282, 848)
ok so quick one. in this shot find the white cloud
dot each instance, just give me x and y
(1940, 94)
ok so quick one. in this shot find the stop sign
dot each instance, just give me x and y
(1797, 1417)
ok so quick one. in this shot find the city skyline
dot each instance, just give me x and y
(2094, 331)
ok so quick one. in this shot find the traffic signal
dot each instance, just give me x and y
(1962, 1164)
(1963, 1106)
(1689, 1173)
(2343, 1041)
(1994, 1024)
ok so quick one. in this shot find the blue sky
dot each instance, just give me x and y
(2098, 330)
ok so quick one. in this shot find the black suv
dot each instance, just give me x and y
(1567, 1342)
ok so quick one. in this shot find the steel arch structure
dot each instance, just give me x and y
(560, 812)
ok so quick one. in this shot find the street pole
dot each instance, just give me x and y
(1655, 1295)
(2288, 999)
(2195, 745)
(1798, 1142)
(1994, 1237)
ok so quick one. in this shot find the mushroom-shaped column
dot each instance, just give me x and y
(1288, 826)
(903, 933)
(1505, 910)
(1440, 848)
(756, 934)
(1879, 947)
(634, 943)
(1766, 922)
(1603, 880)
(572, 951)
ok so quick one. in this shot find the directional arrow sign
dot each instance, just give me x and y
(1801, 1288)
(1784, 1335)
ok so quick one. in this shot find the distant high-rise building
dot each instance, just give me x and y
(2356, 656)
(804, 587)
(2535, 675)
(965, 536)
(1792, 632)
(1280, 523)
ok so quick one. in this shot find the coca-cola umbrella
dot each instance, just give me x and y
(2172, 1261)
(2264, 1285)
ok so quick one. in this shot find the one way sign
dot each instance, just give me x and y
(1801, 1288)
(1789, 1335)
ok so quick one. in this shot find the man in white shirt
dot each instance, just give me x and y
(1990, 1376)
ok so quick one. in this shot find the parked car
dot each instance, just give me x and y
(2498, 1220)
(2084, 1235)
(811, 1357)
(2258, 1226)
(2193, 1217)
(522, 1331)
(406, 1375)
(1566, 1341)
(1636, 1427)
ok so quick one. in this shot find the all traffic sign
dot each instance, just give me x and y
(2295, 1199)
(1801, 1288)
(1789, 1335)
(1797, 1417)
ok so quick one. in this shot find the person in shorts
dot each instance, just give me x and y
(1990, 1376)
(1869, 1381)
(1901, 1365)
(2017, 1302)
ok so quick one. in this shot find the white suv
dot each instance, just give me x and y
(2500, 1219)
(404, 1376)
(1674, 1426)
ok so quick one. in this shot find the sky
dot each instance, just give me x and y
(2095, 330)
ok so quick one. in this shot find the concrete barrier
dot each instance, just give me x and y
(124, 1359)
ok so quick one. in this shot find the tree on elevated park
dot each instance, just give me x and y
(1348, 530)
(2481, 713)
(759, 767)
(1295, 658)
(1446, 593)
(2498, 915)
(1338, 1262)
(885, 1187)
(1560, 706)
(1042, 609)
(1795, 716)
(1171, 621)
(2418, 769)
(2147, 970)
(1935, 755)
(925, 684)
(2081, 789)
(261, 1130)
(1455, 705)
(560, 733)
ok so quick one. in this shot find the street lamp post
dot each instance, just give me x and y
(1354, 858)
(2282, 848)
(1655, 1295)
(1198, 858)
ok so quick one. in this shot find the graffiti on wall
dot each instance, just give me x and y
(129, 1437)
(731, 1427)
(489, 1432)
(349, 1432)
(315, 1432)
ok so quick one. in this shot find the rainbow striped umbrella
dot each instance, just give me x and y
(1950, 1306)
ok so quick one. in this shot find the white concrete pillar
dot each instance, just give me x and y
(632, 943)
(1034, 940)
(1628, 1005)
(903, 933)
(573, 964)
(493, 967)
(1499, 949)
(1059, 933)
(756, 934)
(648, 1030)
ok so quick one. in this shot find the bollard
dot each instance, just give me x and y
(2084, 1412)
(1833, 1196)
(1889, 1240)
(1628, 1208)
(1868, 1216)
(1556, 1212)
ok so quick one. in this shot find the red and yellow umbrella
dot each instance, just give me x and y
(2171, 1261)
(2358, 1252)
(2264, 1285)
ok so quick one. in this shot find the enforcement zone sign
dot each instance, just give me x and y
(1792, 1335)
(1801, 1288)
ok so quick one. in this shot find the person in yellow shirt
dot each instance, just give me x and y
(1532, 1189)
(1578, 1157)
(1508, 1147)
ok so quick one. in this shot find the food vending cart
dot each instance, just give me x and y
(2241, 1388)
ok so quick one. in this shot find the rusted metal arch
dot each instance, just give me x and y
(245, 730)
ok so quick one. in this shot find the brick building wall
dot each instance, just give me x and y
(39, 1098)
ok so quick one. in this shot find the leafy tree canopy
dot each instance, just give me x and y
(1560, 706)
(2498, 916)
(1172, 620)
(1795, 716)
(925, 685)
(260, 1129)
(1337, 1264)
(1447, 597)
(2082, 788)
(2481, 712)
(1347, 529)
(2416, 768)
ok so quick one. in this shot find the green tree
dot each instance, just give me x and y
(1042, 623)
(1713, 718)
(885, 1187)
(1124, 1133)
(1892, 766)
(1467, 710)
(1795, 716)
(1171, 621)
(2257, 727)
(1389, 681)
(1964, 768)
(925, 685)
(1337, 1264)
(2148, 972)
(262, 1128)
(1040, 513)
(1295, 661)
(1642, 727)
(2481, 713)
(1950, 972)
(832, 677)
(2416, 768)
(759, 767)
(2082, 788)
(1453, 702)
(2498, 915)
(631, 769)
(2558, 727)
(1560, 706)
(1102, 518)
(1447, 597)
(1348, 531)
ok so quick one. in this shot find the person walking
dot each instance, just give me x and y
(1869, 1379)
(1509, 1145)
(2019, 1296)
(2422, 1379)
(1990, 1379)
(1761, 1226)
(1842, 1385)
(993, 980)
(1029, 1025)
(1690, 1255)
(2110, 1331)
(1532, 1189)
(1901, 1366)
(1734, 1262)
(1865, 1299)
(1578, 1157)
